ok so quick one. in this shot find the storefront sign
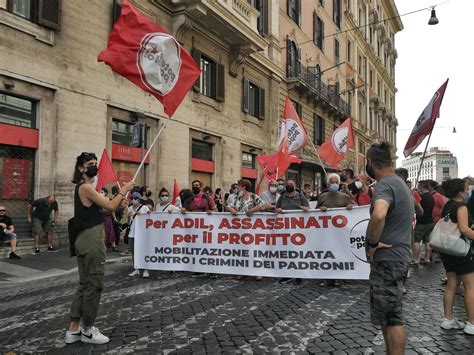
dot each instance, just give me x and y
(447, 162)
(126, 153)
(16, 174)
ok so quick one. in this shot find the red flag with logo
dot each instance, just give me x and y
(175, 192)
(293, 128)
(425, 123)
(334, 149)
(147, 55)
(106, 174)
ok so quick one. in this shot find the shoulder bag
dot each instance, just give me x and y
(446, 238)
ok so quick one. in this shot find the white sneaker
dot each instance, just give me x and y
(469, 328)
(453, 324)
(72, 337)
(146, 274)
(135, 272)
(94, 336)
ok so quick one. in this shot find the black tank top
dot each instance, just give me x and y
(86, 217)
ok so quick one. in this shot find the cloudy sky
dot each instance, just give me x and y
(427, 56)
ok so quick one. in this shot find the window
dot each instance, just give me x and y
(43, 12)
(336, 51)
(248, 160)
(201, 150)
(17, 111)
(253, 99)
(122, 132)
(211, 82)
(262, 21)
(319, 134)
(294, 10)
(336, 12)
(349, 51)
(445, 170)
(318, 31)
(298, 109)
(371, 78)
(292, 59)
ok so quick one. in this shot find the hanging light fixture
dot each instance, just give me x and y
(433, 19)
(454, 129)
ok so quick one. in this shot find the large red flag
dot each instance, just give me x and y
(425, 123)
(175, 192)
(293, 128)
(106, 174)
(147, 55)
(342, 139)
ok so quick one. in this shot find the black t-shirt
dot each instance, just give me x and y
(42, 210)
(149, 202)
(8, 221)
(427, 202)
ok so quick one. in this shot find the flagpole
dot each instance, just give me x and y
(423, 158)
(149, 149)
(316, 151)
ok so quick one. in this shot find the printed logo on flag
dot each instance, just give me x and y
(425, 115)
(339, 140)
(295, 133)
(159, 62)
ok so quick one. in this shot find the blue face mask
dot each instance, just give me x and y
(468, 196)
(334, 187)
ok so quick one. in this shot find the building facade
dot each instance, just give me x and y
(439, 165)
(57, 101)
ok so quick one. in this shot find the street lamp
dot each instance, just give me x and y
(433, 19)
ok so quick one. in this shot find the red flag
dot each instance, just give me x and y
(175, 192)
(147, 55)
(342, 139)
(106, 174)
(293, 128)
(425, 123)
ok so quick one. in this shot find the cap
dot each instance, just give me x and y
(136, 195)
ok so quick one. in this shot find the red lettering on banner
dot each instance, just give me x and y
(312, 223)
(325, 220)
(339, 221)
(224, 224)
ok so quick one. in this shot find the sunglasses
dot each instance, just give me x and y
(164, 195)
(3, 210)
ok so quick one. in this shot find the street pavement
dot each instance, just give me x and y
(174, 313)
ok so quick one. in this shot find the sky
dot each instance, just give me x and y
(427, 56)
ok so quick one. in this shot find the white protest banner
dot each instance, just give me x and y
(314, 244)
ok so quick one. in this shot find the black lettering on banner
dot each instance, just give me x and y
(313, 265)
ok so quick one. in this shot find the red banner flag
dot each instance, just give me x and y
(175, 192)
(342, 139)
(106, 174)
(147, 55)
(293, 128)
(425, 123)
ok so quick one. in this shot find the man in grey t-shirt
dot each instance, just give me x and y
(388, 241)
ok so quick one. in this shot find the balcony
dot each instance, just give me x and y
(323, 95)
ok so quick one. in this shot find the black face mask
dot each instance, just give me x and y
(196, 190)
(92, 171)
(370, 170)
(289, 188)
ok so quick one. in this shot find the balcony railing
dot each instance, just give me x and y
(324, 91)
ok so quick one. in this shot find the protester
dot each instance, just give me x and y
(458, 268)
(281, 185)
(439, 200)
(231, 195)
(347, 178)
(90, 250)
(246, 201)
(388, 241)
(291, 200)
(7, 232)
(135, 209)
(145, 193)
(165, 205)
(424, 225)
(364, 193)
(110, 237)
(218, 200)
(334, 198)
(270, 197)
(210, 194)
(184, 195)
(39, 215)
(119, 216)
(309, 193)
(199, 202)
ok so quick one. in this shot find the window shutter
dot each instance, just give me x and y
(263, 19)
(289, 6)
(220, 83)
(116, 10)
(196, 54)
(245, 95)
(9, 5)
(323, 131)
(261, 103)
(298, 12)
(321, 26)
(49, 14)
(288, 57)
(314, 28)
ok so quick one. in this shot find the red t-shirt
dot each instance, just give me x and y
(440, 201)
(363, 199)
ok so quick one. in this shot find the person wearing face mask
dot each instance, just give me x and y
(218, 200)
(333, 198)
(146, 193)
(90, 250)
(363, 197)
(200, 202)
(281, 185)
(291, 200)
(347, 177)
(136, 208)
(165, 203)
(231, 195)
(271, 196)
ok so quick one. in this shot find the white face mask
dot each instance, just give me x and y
(359, 184)
(273, 189)
(241, 193)
(164, 198)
